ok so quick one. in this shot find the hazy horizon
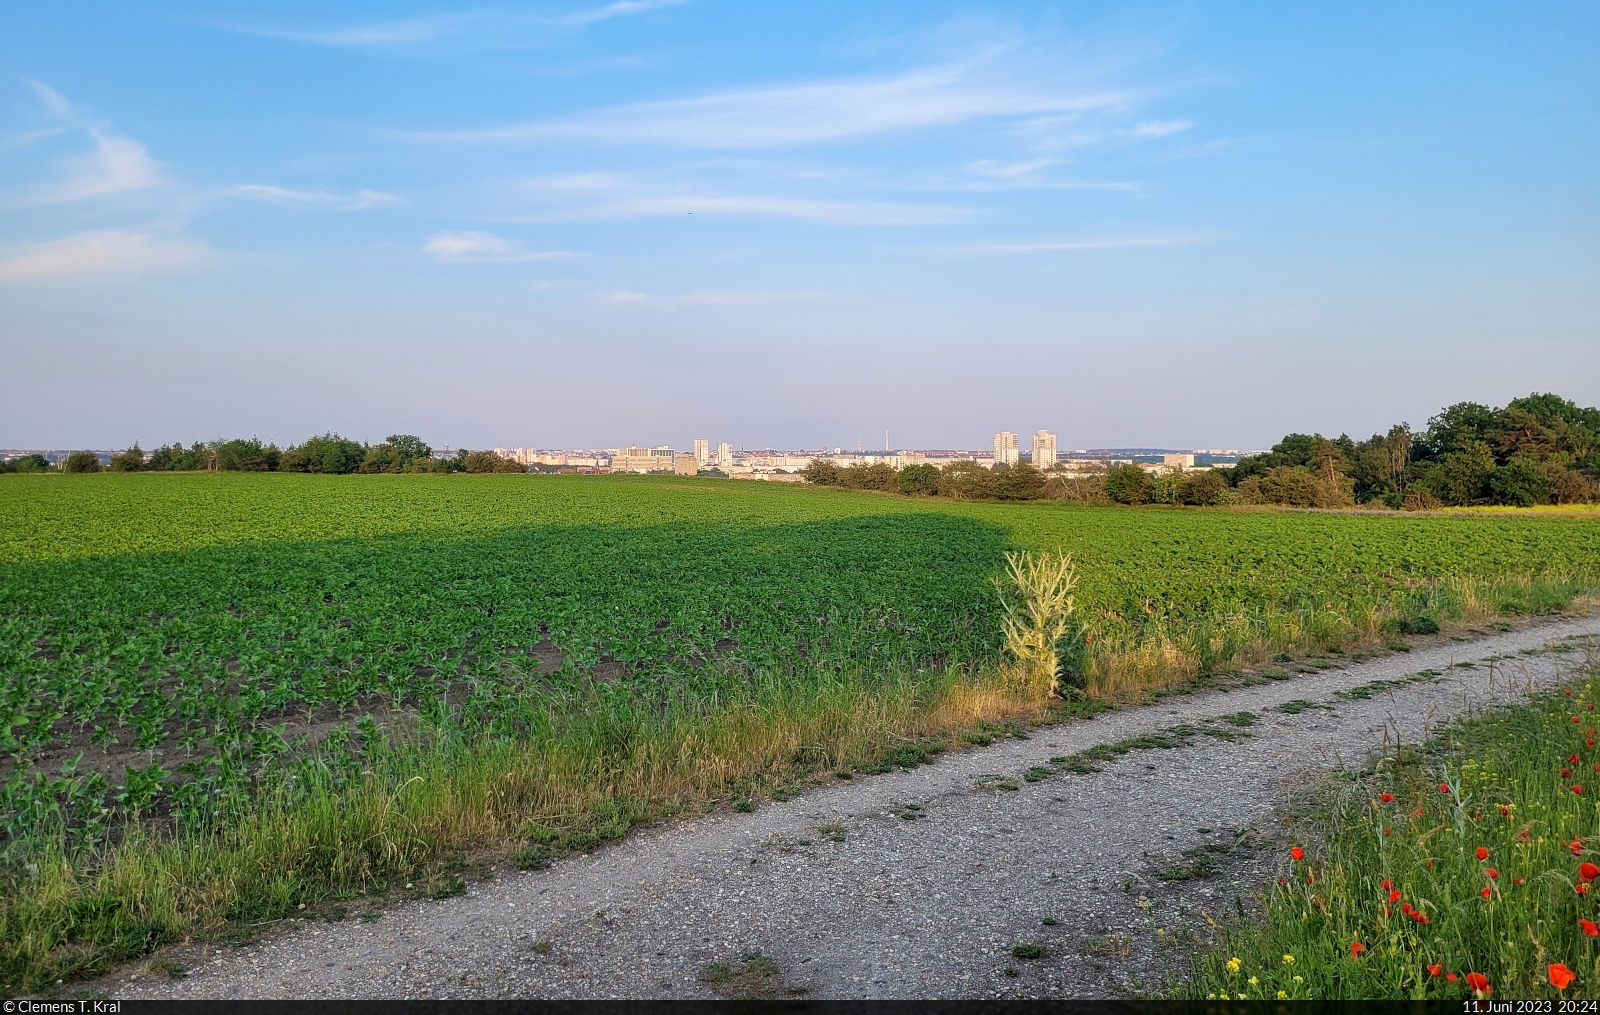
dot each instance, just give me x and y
(590, 224)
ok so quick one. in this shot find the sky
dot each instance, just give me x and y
(590, 223)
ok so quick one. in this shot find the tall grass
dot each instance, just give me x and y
(1125, 660)
(1466, 856)
(70, 914)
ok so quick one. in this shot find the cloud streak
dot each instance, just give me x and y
(471, 246)
(118, 165)
(596, 197)
(497, 28)
(815, 113)
(360, 200)
(1089, 243)
(103, 252)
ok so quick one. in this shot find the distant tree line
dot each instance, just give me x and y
(1541, 449)
(326, 453)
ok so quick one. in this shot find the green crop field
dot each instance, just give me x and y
(181, 651)
(166, 627)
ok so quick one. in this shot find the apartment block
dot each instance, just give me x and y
(702, 450)
(1044, 449)
(1005, 448)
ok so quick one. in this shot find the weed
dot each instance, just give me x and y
(1036, 774)
(531, 857)
(754, 978)
(744, 805)
(1011, 971)
(1049, 921)
(542, 946)
(1026, 951)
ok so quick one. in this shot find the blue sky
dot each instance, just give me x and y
(585, 224)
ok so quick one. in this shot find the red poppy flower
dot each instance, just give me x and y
(1505, 812)
(1589, 927)
(1394, 897)
(1388, 831)
(1591, 708)
(1430, 863)
(1387, 798)
(1565, 772)
(1494, 875)
(1444, 787)
(1356, 948)
(1435, 970)
(1416, 914)
(1588, 871)
(1386, 884)
(1560, 976)
(1575, 847)
(1519, 881)
(1451, 977)
(1574, 759)
(1297, 852)
(1483, 853)
(1582, 888)
(1589, 742)
(1568, 693)
(1576, 719)
(1486, 891)
(1479, 984)
(1578, 790)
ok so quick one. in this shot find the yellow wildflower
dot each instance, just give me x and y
(1234, 964)
(1253, 982)
(1288, 960)
(1283, 995)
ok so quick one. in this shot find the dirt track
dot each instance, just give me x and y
(916, 884)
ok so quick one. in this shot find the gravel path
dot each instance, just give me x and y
(847, 898)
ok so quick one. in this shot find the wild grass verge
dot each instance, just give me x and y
(1466, 866)
(1124, 659)
(69, 914)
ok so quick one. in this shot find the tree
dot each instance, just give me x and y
(1454, 429)
(1018, 482)
(920, 480)
(329, 453)
(822, 472)
(488, 461)
(1462, 475)
(131, 460)
(867, 477)
(1520, 482)
(240, 455)
(81, 462)
(1128, 484)
(1202, 488)
(408, 448)
(966, 481)
(29, 463)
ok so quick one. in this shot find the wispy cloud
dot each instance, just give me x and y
(480, 246)
(358, 201)
(621, 297)
(497, 28)
(1160, 128)
(49, 96)
(592, 197)
(749, 298)
(1090, 243)
(117, 165)
(810, 113)
(103, 252)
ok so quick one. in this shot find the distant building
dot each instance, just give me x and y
(1044, 449)
(724, 455)
(1005, 448)
(702, 450)
(654, 459)
(1179, 461)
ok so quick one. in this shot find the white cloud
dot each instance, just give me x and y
(49, 96)
(479, 246)
(106, 251)
(748, 298)
(118, 165)
(493, 27)
(809, 113)
(602, 197)
(1160, 128)
(1089, 243)
(361, 199)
